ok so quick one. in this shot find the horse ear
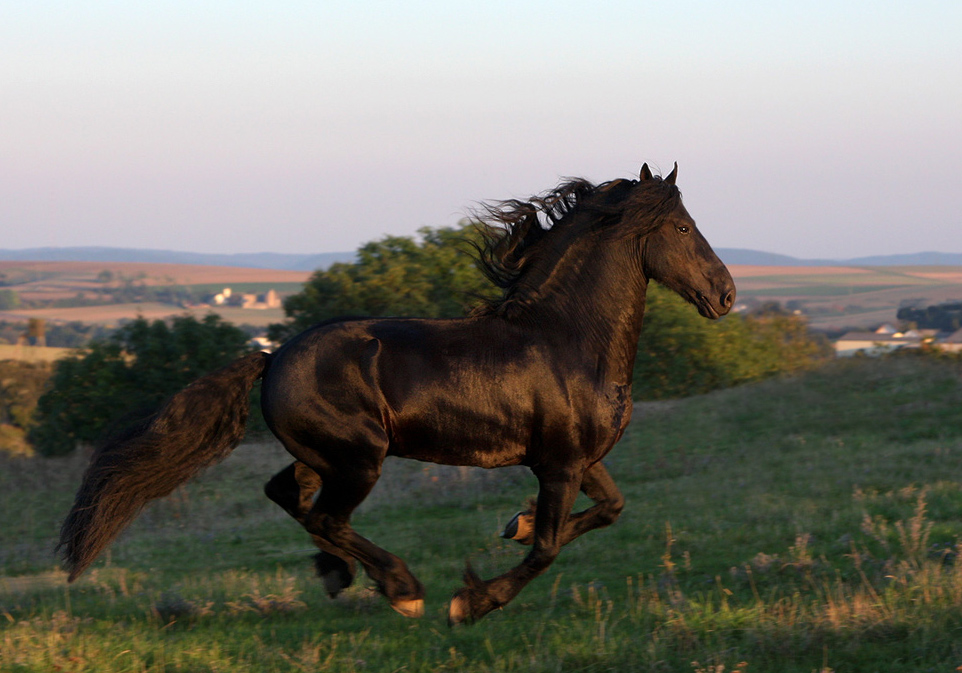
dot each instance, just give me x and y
(645, 172)
(671, 176)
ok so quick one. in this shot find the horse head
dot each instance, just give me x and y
(675, 253)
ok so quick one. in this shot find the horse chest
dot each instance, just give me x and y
(607, 420)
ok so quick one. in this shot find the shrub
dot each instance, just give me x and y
(127, 375)
(681, 353)
(21, 384)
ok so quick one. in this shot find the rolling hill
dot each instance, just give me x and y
(310, 262)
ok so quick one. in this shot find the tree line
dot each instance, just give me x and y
(121, 377)
(944, 317)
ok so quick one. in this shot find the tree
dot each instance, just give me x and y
(680, 353)
(21, 384)
(945, 317)
(9, 300)
(433, 277)
(128, 375)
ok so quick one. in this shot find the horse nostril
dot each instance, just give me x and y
(728, 299)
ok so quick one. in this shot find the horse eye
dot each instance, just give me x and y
(684, 229)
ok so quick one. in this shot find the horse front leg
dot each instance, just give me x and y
(556, 495)
(598, 485)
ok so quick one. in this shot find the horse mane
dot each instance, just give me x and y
(517, 236)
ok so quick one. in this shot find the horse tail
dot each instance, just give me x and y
(196, 428)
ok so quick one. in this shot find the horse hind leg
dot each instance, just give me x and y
(329, 520)
(293, 489)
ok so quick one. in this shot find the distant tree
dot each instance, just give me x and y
(433, 277)
(21, 384)
(9, 300)
(127, 375)
(66, 335)
(945, 317)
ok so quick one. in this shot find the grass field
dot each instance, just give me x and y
(796, 525)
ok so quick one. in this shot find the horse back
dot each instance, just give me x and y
(463, 391)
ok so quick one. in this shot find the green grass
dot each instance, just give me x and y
(792, 526)
(813, 290)
(248, 288)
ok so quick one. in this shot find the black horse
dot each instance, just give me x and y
(541, 377)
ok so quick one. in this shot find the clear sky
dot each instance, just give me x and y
(820, 129)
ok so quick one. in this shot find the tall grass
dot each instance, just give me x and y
(806, 524)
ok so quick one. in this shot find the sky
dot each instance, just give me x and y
(825, 129)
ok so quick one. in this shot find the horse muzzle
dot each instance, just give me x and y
(713, 310)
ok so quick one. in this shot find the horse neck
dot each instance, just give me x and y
(592, 301)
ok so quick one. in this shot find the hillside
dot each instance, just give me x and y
(799, 525)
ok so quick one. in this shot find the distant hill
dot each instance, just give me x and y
(292, 262)
(757, 258)
(915, 259)
(259, 260)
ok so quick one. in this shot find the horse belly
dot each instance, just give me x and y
(465, 438)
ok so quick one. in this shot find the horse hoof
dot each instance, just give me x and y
(520, 528)
(459, 612)
(334, 573)
(411, 608)
(333, 583)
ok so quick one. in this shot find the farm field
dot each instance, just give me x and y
(842, 297)
(47, 282)
(833, 298)
(796, 525)
(69, 277)
(114, 314)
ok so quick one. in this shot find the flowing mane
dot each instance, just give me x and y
(518, 235)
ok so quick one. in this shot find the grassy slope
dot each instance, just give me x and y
(788, 526)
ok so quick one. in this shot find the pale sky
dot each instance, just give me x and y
(817, 129)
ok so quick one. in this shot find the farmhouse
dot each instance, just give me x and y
(886, 339)
(261, 301)
(227, 297)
